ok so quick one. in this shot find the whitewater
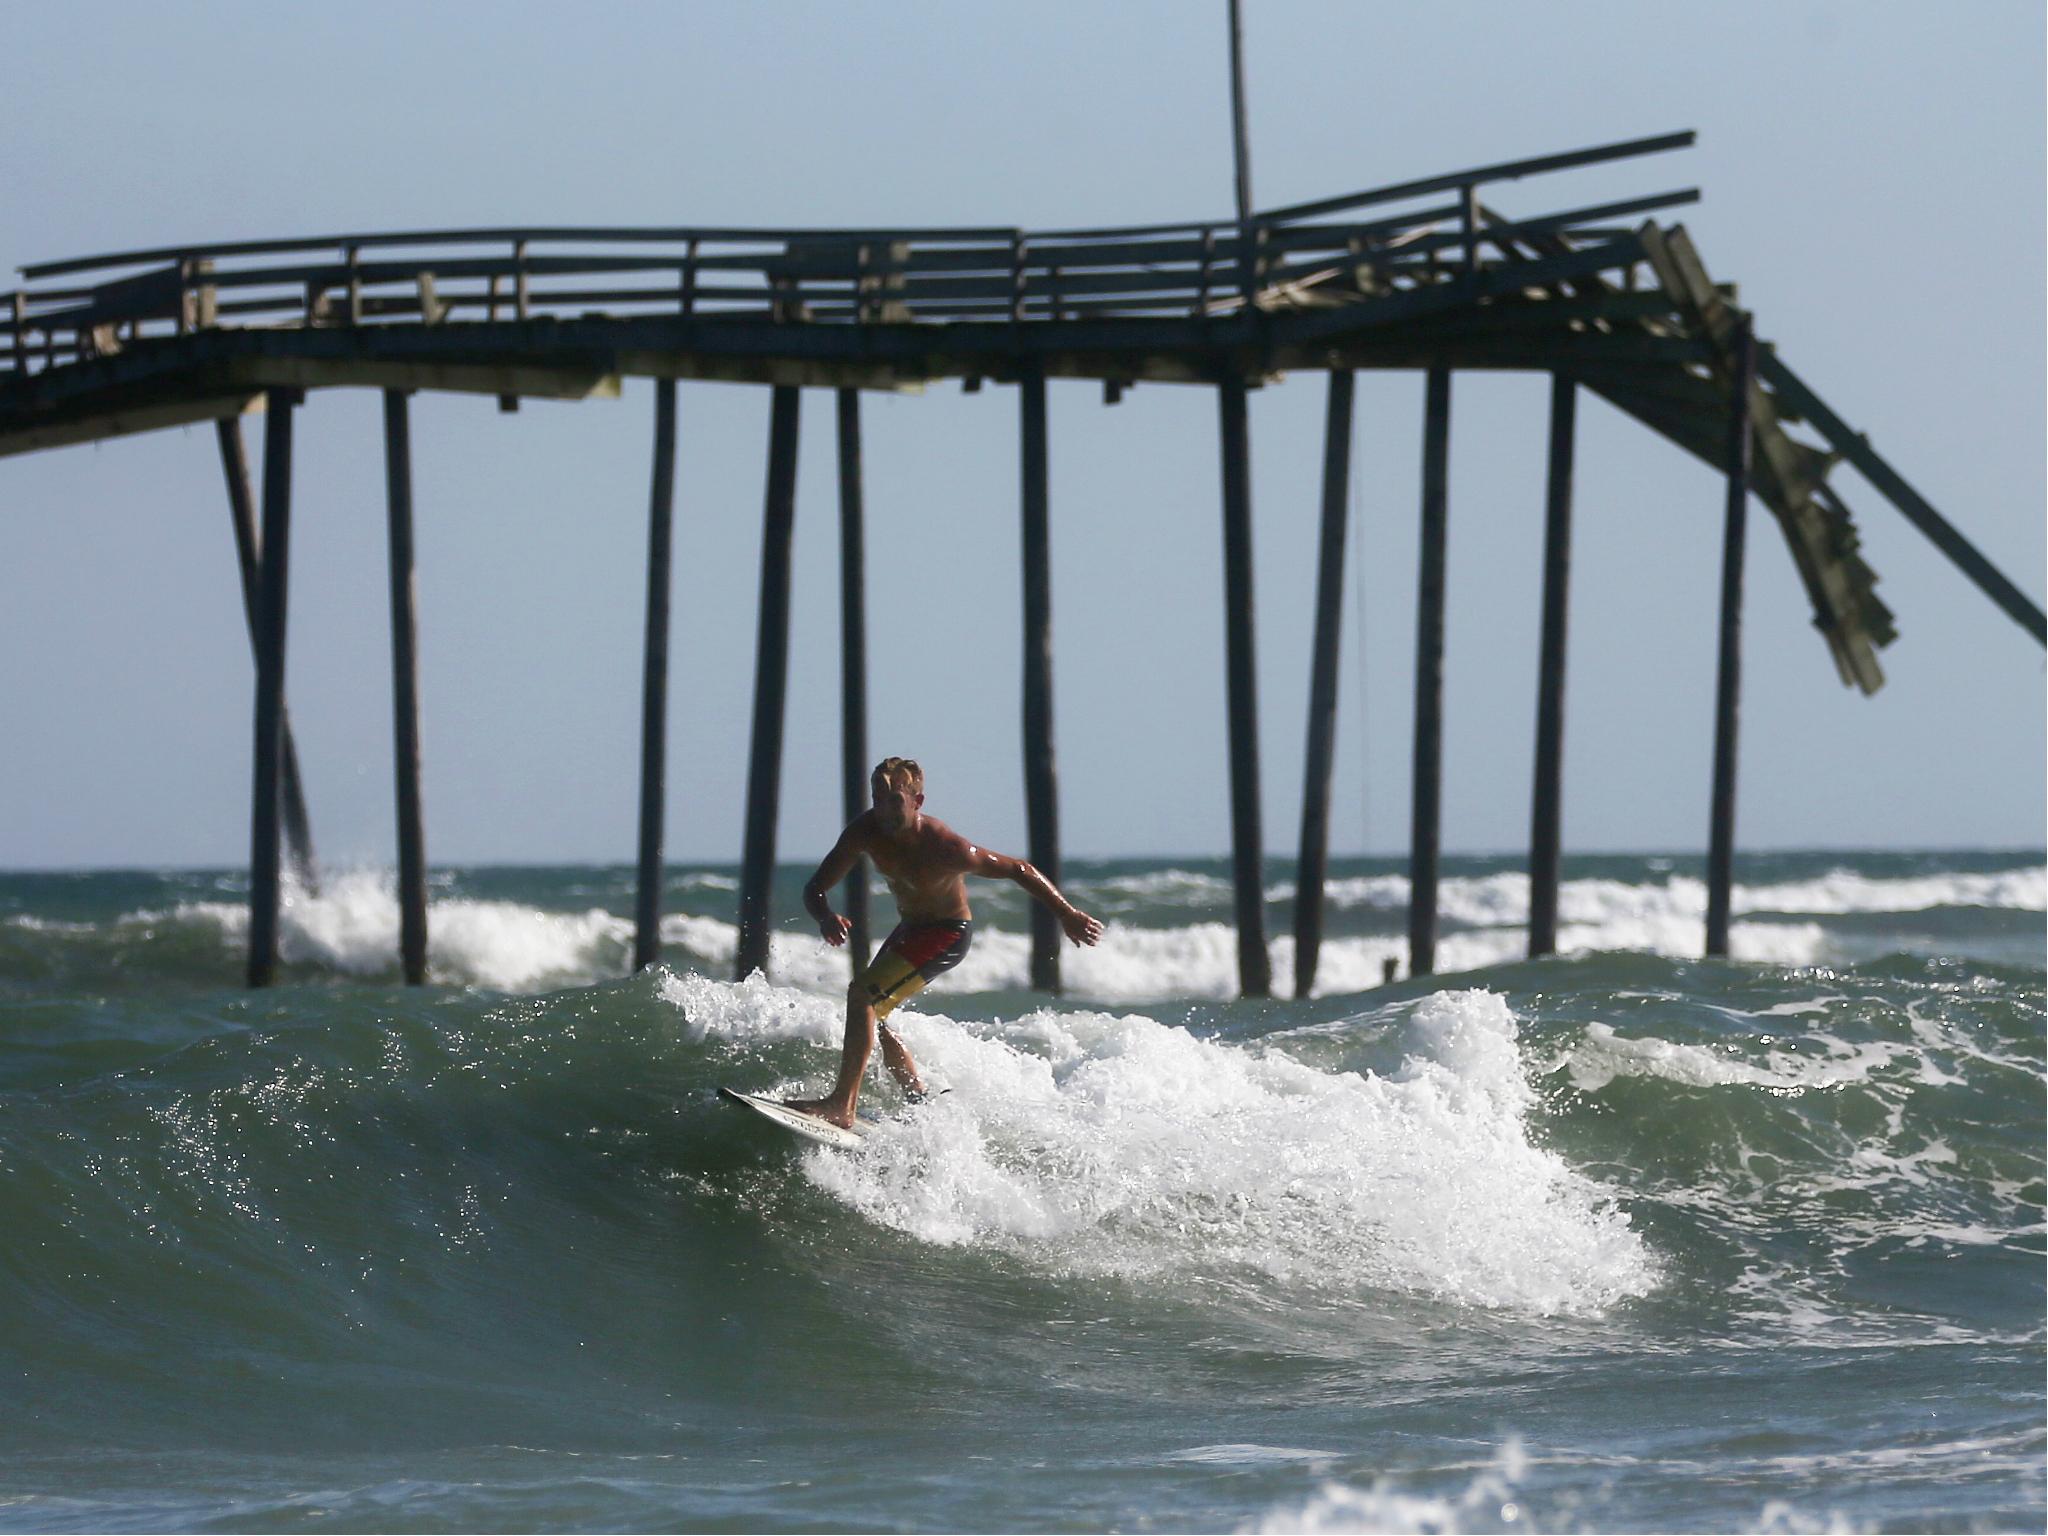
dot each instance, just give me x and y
(1166, 936)
(1616, 1239)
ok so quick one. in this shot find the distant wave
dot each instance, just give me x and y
(1503, 899)
(1165, 939)
(352, 924)
(351, 927)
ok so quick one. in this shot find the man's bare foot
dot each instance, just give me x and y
(822, 1109)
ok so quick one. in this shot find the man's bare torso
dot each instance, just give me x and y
(925, 865)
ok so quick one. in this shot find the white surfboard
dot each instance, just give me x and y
(795, 1121)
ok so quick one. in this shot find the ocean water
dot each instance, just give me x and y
(1617, 1240)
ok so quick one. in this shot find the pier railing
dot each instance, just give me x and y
(1298, 256)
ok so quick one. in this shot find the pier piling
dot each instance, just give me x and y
(405, 691)
(1254, 965)
(1728, 674)
(1425, 817)
(234, 463)
(1545, 817)
(1041, 774)
(853, 659)
(654, 679)
(771, 681)
(270, 633)
(1313, 864)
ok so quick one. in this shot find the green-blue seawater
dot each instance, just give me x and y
(1619, 1239)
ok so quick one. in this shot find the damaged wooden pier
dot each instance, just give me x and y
(1434, 276)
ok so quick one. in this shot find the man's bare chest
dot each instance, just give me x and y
(915, 871)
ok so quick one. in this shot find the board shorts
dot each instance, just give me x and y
(911, 956)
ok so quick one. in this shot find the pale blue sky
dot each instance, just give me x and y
(1873, 179)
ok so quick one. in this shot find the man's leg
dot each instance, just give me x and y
(897, 1059)
(837, 1106)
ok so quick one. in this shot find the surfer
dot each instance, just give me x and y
(926, 864)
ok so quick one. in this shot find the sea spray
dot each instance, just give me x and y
(1089, 1143)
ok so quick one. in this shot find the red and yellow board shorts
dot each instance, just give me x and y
(911, 956)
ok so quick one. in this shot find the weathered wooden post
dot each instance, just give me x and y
(1254, 965)
(654, 679)
(1322, 688)
(771, 679)
(853, 657)
(270, 631)
(1041, 775)
(234, 463)
(1544, 820)
(405, 691)
(1728, 675)
(1429, 678)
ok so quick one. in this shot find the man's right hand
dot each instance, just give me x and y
(835, 929)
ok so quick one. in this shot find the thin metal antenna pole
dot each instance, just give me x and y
(1237, 127)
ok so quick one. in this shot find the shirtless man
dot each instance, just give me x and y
(925, 862)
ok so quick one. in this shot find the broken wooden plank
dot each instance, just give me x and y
(1945, 536)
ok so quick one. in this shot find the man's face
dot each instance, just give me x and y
(895, 806)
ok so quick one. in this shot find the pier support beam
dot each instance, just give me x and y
(771, 680)
(1041, 775)
(1254, 965)
(1728, 675)
(853, 660)
(405, 692)
(1313, 864)
(270, 631)
(234, 463)
(1425, 816)
(654, 679)
(1545, 835)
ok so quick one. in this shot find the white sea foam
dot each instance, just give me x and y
(1094, 1144)
(706, 880)
(1492, 1500)
(1199, 960)
(1166, 885)
(29, 923)
(351, 926)
(1488, 1502)
(1604, 1056)
(1503, 899)
(751, 1012)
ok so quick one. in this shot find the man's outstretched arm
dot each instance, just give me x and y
(838, 864)
(1078, 925)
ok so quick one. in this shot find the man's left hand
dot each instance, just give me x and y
(1080, 927)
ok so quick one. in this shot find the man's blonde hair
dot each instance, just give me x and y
(899, 773)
